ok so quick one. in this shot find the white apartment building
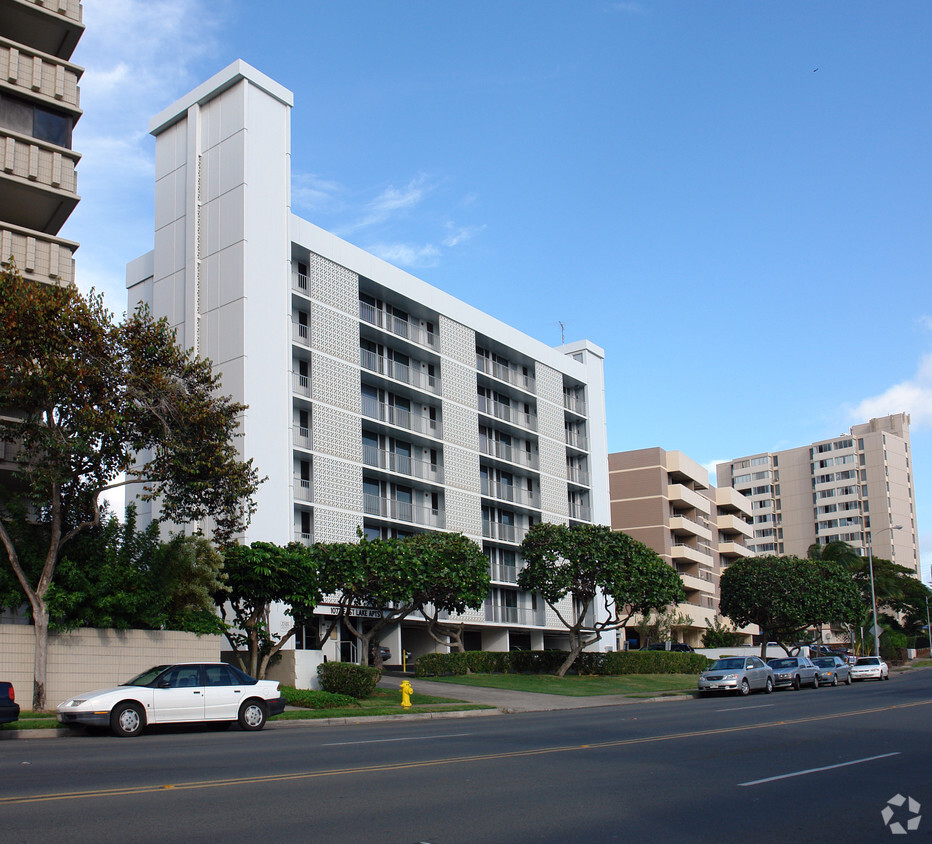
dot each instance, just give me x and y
(375, 400)
(856, 487)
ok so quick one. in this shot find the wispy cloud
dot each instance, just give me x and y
(392, 202)
(406, 254)
(913, 396)
(314, 193)
(459, 234)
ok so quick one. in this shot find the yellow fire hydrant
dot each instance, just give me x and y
(406, 692)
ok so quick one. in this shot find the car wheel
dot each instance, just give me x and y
(744, 689)
(127, 720)
(769, 687)
(815, 681)
(252, 715)
(884, 676)
(848, 680)
(834, 679)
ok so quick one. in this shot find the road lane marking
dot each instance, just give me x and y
(817, 770)
(742, 708)
(429, 763)
(382, 740)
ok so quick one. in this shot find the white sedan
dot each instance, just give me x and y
(870, 668)
(172, 694)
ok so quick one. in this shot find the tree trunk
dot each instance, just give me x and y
(40, 615)
(575, 649)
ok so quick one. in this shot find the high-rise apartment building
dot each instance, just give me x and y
(375, 400)
(856, 487)
(39, 106)
(664, 499)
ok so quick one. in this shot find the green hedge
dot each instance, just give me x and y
(317, 700)
(548, 662)
(347, 678)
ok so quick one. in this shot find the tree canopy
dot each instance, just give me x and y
(593, 565)
(87, 400)
(785, 595)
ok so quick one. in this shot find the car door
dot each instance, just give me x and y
(179, 695)
(223, 693)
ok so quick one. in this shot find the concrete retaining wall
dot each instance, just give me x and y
(87, 659)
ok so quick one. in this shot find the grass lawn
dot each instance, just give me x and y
(633, 685)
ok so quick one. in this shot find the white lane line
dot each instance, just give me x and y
(381, 741)
(816, 770)
(742, 708)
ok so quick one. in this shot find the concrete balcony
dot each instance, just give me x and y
(303, 489)
(302, 438)
(683, 495)
(38, 182)
(683, 524)
(401, 418)
(508, 413)
(412, 374)
(503, 451)
(498, 614)
(508, 374)
(503, 533)
(38, 256)
(689, 554)
(733, 549)
(36, 75)
(403, 511)
(577, 439)
(733, 524)
(415, 332)
(401, 464)
(580, 512)
(697, 584)
(511, 493)
(52, 26)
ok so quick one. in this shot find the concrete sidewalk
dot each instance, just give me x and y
(508, 700)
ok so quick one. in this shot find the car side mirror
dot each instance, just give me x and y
(164, 684)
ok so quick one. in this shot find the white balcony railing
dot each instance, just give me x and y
(577, 474)
(508, 374)
(403, 511)
(302, 384)
(503, 451)
(404, 373)
(507, 413)
(502, 532)
(577, 439)
(401, 327)
(303, 489)
(304, 537)
(513, 615)
(301, 333)
(401, 417)
(574, 403)
(403, 464)
(580, 512)
(302, 437)
(510, 492)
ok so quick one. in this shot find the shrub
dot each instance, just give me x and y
(536, 662)
(439, 665)
(488, 662)
(316, 700)
(347, 678)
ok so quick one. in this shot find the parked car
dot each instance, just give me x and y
(9, 708)
(171, 694)
(680, 647)
(738, 674)
(870, 668)
(386, 654)
(832, 670)
(794, 672)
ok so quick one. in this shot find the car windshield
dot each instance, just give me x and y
(727, 665)
(824, 661)
(868, 660)
(783, 663)
(147, 677)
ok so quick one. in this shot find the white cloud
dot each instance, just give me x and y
(925, 321)
(406, 254)
(393, 201)
(460, 234)
(711, 468)
(913, 397)
(315, 193)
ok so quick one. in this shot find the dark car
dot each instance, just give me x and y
(670, 646)
(794, 671)
(385, 653)
(9, 708)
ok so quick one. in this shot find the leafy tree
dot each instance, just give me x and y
(658, 627)
(585, 562)
(720, 634)
(257, 576)
(785, 595)
(90, 400)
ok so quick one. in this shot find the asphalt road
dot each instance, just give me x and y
(813, 765)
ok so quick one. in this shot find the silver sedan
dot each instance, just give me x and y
(740, 675)
(832, 670)
(794, 671)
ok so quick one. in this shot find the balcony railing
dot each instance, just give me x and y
(401, 327)
(301, 333)
(580, 512)
(299, 282)
(402, 511)
(400, 417)
(513, 615)
(502, 532)
(507, 413)
(508, 374)
(503, 451)
(402, 464)
(577, 439)
(412, 375)
(575, 404)
(304, 537)
(505, 574)
(302, 384)
(510, 492)
(40, 73)
(302, 437)
(38, 257)
(577, 475)
(303, 489)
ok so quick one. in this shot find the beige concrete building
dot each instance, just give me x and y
(39, 106)
(855, 487)
(664, 499)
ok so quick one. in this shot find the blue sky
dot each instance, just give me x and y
(731, 198)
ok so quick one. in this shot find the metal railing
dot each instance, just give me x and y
(575, 404)
(401, 327)
(299, 282)
(580, 512)
(506, 574)
(302, 384)
(405, 373)
(503, 451)
(301, 333)
(401, 417)
(507, 413)
(577, 475)
(510, 492)
(402, 511)
(508, 374)
(503, 533)
(403, 464)
(513, 615)
(577, 439)
(305, 538)
(302, 436)
(303, 489)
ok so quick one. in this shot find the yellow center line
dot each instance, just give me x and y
(453, 760)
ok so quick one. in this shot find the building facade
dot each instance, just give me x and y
(39, 106)
(376, 401)
(664, 499)
(856, 488)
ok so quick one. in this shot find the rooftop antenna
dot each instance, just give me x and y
(562, 333)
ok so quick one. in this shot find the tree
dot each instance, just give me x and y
(658, 627)
(721, 635)
(257, 576)
(785, 595)
(89, 400)
(584, 562)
